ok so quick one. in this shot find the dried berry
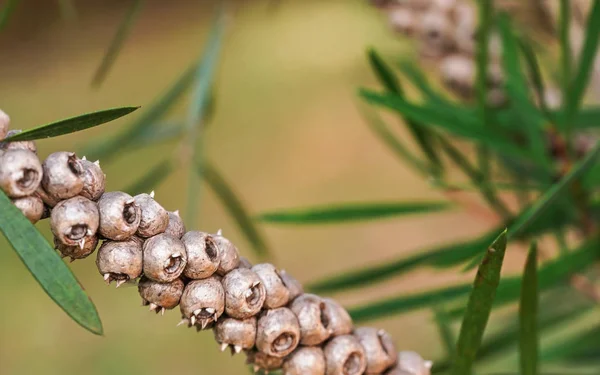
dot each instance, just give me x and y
(18, 145)
(20, 173)
(120, 260)
(93, 180)
(228, 253)
(203, 255)
(160, 296)
(277, 293)
(379, 349)
(240, 334)
(244, 293)
(164, 258)
(310, 310)
(4, 124)
(345, 356)
(305, 361)
(245, 263)
(410, 363)
(74, 221)
(154, 218)
(32, 207)
(262, 361)
(277, 332)
(175, 227)
(119, 215)
(291, 284)
(339, 320)
(63, 175)
(76, 252)
(202, 302)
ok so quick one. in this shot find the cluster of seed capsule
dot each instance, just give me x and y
(257, 309)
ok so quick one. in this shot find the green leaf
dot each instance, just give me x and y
(234, 205)
(72, 125)
(46, 266)
(535, 74)
(479, 307)
(117, 42)
(6, 11)
(418, 79)
(528, 316)
(442, 321)
(332, 214)
(150, 181)
(383, 72)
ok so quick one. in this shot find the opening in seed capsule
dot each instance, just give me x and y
(324, 316)
(28, 179)
(78, 231)
(211, 249)
(129, 213)
(174, 264)
(352, 364)
(283, 342)
(74, 165)
(255, 295)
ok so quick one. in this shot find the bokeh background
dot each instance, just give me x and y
(286, 133)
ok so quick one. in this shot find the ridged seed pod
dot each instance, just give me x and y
(340, 322)
(458, 73)
(202, 302)
(345, 356)
(120, 260)
(310, 310)
(164, 258)
(245, 263)
(305, 361)
(4, 124)
(277, 293)
(74, 221)
(410, 363)
(379, 349)
(175, 227)
(93, 180)
(18, 145)
(293, 285)
(48, 201)
(435, 32)
(76, 252)
(154, 218)
(278, 332)
(32, 207)
(119, 215)
(160, 296)
(244, 293)
(402, 20)
(264, 362)
(20, 173)
(203, 255)
(63, 175)
(228, 253)
(239, 334)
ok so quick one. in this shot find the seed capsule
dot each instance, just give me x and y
(154, 218)
(277, 293)
(240, 334)
(202, 302)
(410, 363)
(291, 284)
(164, 258)
(244, 293)
(32, 207)
(339, 320)
(4, 124)
(402, 20)
(466, 25)
(18, 145)
(305, 361)
(229, 255)
(203, 255)
(48, 201)
(74, 221)
(436, 33)
(278, 332)
(20, 173)
(160, 296)
(310, 310)
(245, 263)
(262, 361)
(76, 252)
(120, 260)
(93, 180)
(458, 73)
(345, 356)
(175, 227)
(63, 175)
(379, 349)
(119, 215)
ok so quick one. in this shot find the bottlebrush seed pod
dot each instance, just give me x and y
(120, 260)
(18, 145)
(203, 255)
(93, 180)
(345, 356)
(305, 361)
(164, 258)
(277, 332)
(228, 253)
(435, 32)
(160, 296)
(32, 207)
(202, 302)
(175, 227)
(20, 173)
(119, 215)
(154, 218)
(74, 221)
(458, 73)
(245, 263)
(76, 252)
(277, 293)
(310, 310)
(410, 363)
(244, 293)
(293, 285)
(339, 320)
(262, 361)
(402, 20)
(4, 124)
(239, 334)
(379, 349)
(63, 175)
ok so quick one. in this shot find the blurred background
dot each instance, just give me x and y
(286, 133)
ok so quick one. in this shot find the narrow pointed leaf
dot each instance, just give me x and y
(528, 316)
(479, 307)
(152, 179)
(47, 267)
(417, 78)
(383, 72)
(72, 125)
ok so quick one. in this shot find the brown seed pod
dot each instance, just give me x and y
(402, 20)
(410, 363)
(244, 293)
(435, 33)
(175, 227)
(154, 218)
(63, 175)
(160, 296)
(202, 302)
(48, 201)
(120, 260)
(20, 173)
(32, 207)
(262, 361)
(379, 349)
(466, 26)
(458, 73)
(245, 263)
(4, 124)
(119, 215)
(18, 145)
(93, 180)
(310, 310)
(291, 284)
(74, 221)
(240, 334)
(277, 293)
(203, 255)
(164, 258)
(277, 332)
(228, 253)
(345, 356)
(305, 361)
(76, 252)
(339, 320)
